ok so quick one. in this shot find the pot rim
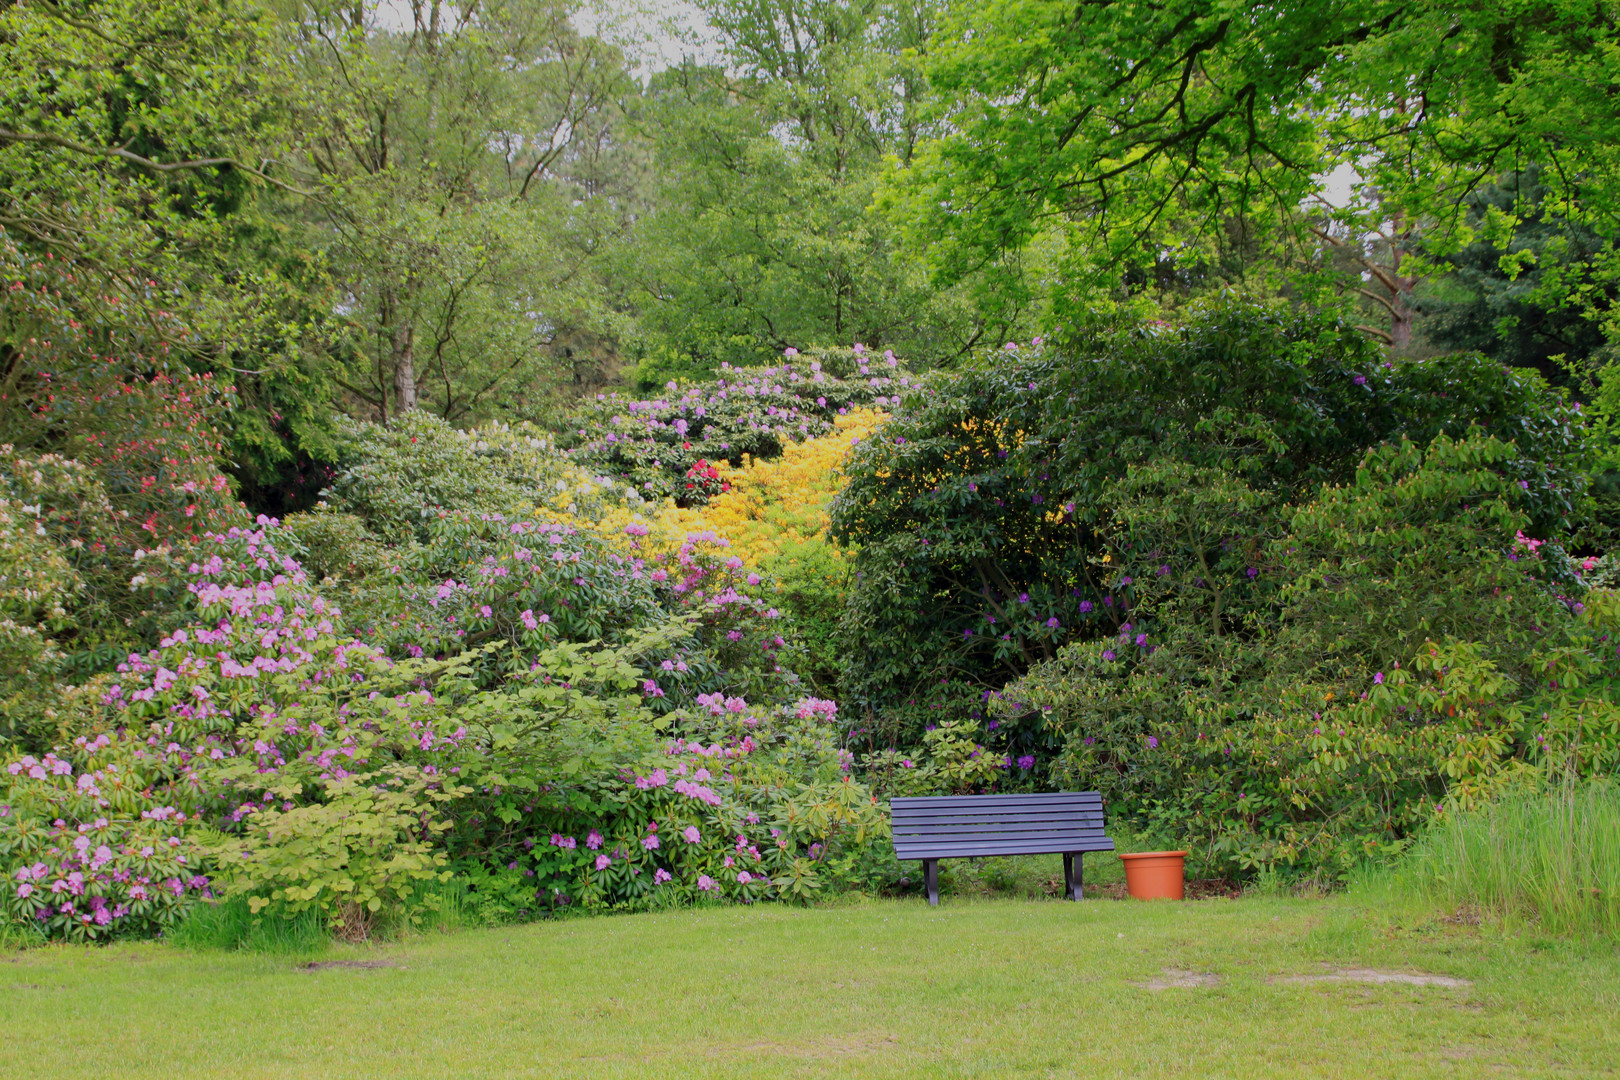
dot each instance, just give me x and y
(1152, 854)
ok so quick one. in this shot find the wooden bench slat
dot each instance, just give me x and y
(903, 802)
(995, 812)
(1054, 845)
(1052, 841)
(978, 849)
(1011, 820)
(958, 816)
(966, 835)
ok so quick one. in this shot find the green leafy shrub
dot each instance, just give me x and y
(978, 512)
(1300, 688)
(949, 761)
(400, 478)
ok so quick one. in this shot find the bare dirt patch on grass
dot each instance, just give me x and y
(1372, 977)
(367, 965)
(1177, 979)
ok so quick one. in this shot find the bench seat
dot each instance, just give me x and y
(1067, 823)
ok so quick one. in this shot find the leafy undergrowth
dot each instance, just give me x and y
(1256, 987)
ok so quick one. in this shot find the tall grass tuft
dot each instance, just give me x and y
(230, 924)
(1551, 856)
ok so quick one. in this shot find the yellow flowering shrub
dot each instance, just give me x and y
(775, 505)
(775, 513)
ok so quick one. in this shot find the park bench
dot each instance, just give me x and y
(1067, 823)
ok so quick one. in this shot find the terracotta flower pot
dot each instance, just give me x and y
(1155, 875)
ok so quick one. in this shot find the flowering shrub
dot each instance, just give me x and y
(772, 505)
(776, 515)
(743, 804)
(272, 754)
(488, 577)
(530, 583)
(1306, 687)
(37, 583)
(736, 638)
(142, 481)
(652, 445)
(187, 745)
(89, 851)
(703, 482)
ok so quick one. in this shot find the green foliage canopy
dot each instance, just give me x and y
(1120, 129)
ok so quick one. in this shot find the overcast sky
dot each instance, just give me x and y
(655, 32)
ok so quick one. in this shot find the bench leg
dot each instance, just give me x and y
(1073, 875)
(931, 880)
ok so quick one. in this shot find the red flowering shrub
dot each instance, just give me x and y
(138, 484)
(702, 483)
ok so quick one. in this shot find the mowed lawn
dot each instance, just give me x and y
(975, 988)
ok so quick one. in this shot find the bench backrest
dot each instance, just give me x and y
(955, 826)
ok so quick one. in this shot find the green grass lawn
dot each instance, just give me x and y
(979, 987)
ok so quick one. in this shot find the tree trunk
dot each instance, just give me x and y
(1400, 289)
(404, 345)
(1400, 323)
